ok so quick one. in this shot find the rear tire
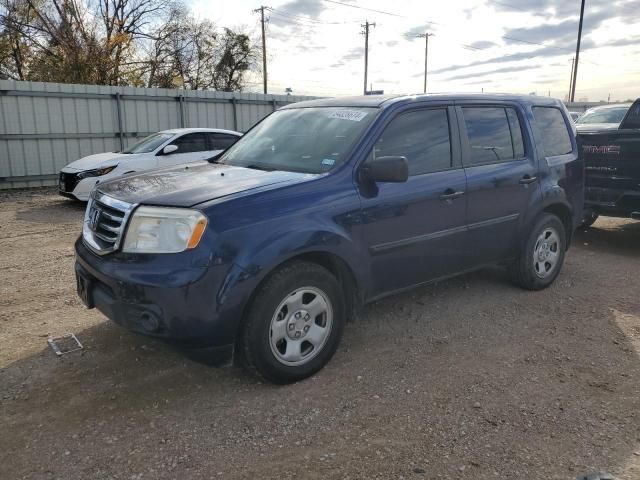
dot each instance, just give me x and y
(541, 259)
(294, 324)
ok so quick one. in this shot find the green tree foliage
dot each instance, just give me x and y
(154, 43)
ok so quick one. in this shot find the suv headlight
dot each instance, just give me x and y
(163, 230)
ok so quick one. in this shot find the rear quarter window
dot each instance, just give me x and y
(555, 134)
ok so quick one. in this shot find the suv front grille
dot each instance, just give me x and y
(104, 222)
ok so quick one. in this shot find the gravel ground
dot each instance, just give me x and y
(470, 378)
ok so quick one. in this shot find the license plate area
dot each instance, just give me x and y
(84, 287)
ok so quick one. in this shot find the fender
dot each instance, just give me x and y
(552, 198)
(258, 260)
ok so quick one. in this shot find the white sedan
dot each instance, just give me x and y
(162, 149)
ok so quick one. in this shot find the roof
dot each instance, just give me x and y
(612, 105)
(194, 130)
(387, 100)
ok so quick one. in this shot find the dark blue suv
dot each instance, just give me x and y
(265, 251)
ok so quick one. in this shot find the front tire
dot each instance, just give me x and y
(541, 259)
(294, 324)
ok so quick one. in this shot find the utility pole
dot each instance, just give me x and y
(575, 67)
(571, 79)
(366, 27)
(264, 47)
(426, 36)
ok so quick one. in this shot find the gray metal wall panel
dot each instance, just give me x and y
(5, 164)
(44, 126)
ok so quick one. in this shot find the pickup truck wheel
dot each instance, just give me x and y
(541, 260)
(294, 324)
(589, 218)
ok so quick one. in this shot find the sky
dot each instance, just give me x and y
(316, 47)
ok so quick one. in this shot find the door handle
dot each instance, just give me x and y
(451, 194)
(527, 179)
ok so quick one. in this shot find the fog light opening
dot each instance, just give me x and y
(149, 322)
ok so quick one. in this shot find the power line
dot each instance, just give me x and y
(535, 43)
(293, 16)
(365, 8)
(282, 18)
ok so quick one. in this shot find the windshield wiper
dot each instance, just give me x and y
(255, 166)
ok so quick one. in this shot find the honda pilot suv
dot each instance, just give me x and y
(261, 254)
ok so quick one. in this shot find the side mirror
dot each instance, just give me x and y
(169, 149)
(386, 169)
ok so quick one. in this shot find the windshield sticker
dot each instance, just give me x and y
(328, 162)
(353, 115)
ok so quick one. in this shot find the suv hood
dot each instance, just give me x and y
(595, 127)
(98, 160)
(190, 184)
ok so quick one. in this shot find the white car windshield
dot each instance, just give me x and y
(149, 144)
(604, 115)
(307, 140)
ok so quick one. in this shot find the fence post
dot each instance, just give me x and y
(180, 99)
(119, 115)
(273, 102)
(234, 103)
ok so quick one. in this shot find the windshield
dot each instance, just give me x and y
(309, 140)
(149, 144)
(604, 115)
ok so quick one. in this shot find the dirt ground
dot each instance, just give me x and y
(470, 378)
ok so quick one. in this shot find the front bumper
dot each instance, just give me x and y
(161, 296)
(70, 186)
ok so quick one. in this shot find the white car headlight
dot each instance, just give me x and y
(163, 230)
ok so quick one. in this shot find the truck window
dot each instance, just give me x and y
(555, 135)
(494, 134)
(632, 118)
(422, 137)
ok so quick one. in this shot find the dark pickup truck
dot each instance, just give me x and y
(612, 162)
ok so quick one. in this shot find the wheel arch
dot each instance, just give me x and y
(335, 264)
(339, 267)
(565, 214)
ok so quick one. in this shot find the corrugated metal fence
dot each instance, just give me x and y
(44, 126)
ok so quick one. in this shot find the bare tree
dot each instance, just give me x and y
(119, 42)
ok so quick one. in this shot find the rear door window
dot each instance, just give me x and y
(422, 137)
(494, 134)
(555, 135)
(221, 141)
(191, 142)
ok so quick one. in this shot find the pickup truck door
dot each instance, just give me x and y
(501, 177)
(415, 231)
(191, 148)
